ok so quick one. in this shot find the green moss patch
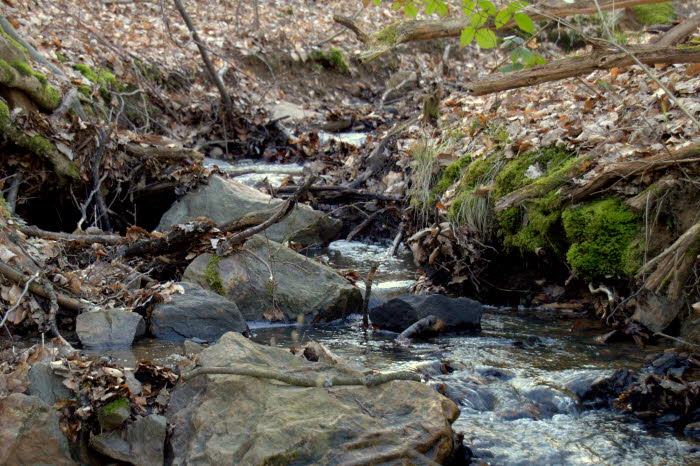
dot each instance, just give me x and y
(513, 175)
(601, 234)
(656, 13)
(103, 77)
(535, 226)
(451, 175)
(332, 60)
(211, 275)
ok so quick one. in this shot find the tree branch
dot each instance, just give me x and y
(300, 380)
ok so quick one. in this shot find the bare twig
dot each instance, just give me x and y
(21, 297)
(225, 98)
(368, 293)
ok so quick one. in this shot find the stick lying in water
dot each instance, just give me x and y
(300, 380)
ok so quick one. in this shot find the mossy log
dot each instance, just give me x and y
(19, 75)
(539, 188)
(614, 172)
(37, 145)
(401, 32)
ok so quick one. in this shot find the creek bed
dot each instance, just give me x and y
(524, 415)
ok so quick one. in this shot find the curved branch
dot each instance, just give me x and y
(301, 380)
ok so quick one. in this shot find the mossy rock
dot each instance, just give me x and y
(451, 174)
(113, 414)
(656, 13)
(601, 235)
(211, 274)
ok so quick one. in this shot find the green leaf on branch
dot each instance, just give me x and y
(478, 19)
(524, 22)
(487, 6)
(486, 38)
(467, 36)
(410, 10)
(502, 18)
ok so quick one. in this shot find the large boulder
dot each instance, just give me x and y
(110, 328)
(301, 285)
(198, 313)
(29, 433)
(224, 199)
(230, 419)
(457, 314)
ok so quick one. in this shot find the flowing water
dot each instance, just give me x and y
(513, 378)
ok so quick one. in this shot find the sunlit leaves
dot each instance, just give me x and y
(524, 22)
(486, 38)
(467, 36)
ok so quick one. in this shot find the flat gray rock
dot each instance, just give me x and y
(110, 328)
(199, 313)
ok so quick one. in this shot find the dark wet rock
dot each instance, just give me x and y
(30, 434)
(302, 286)
(198, 313)
(140, 443)
(47, 385)
(668, 364)
(457, 314)
(229, 419)
(595, 390)
(109, 328)
(223, 199)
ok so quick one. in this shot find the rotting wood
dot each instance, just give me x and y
(177, 240)
(302, 380)
(366, 222)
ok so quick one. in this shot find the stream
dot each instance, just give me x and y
(514, 377)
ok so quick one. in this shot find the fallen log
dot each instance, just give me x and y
(177, 240)
(613, 173)
(368, 293)
(584, 64)
(381, 42)
(301, 380)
